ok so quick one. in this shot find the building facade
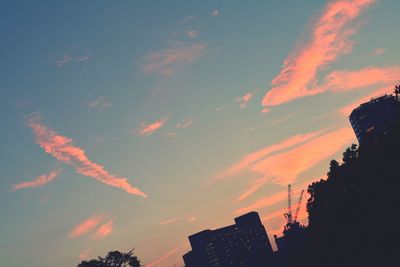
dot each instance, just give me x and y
(375, 118)
(243, 244)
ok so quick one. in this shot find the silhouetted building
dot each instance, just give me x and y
(375, 118)
(243, 244)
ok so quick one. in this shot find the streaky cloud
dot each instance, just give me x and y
(148, 129)
(104, 230)
(258, 155)
(329, 39)
(284, 168)
(38, 181)
(86, 226)
(156, 262)
(63, 149)
(170, 61)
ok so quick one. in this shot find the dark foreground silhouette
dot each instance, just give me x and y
(353, 214)
(113, 259)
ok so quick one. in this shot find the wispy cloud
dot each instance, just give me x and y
(169, 221)
(256, 156)
(68, 58)
(100, 103)
(170, 61)
(104, 230)
(38, 181)
(192, 33)
(257, 184)
(275, 198)
(63, 149)
(191, 219)
(283, 119)
(148, 129)
(342, 81)
(329, 39)
(84, 255)
(156, 262)
(186, 123)
(244, 100)
(379, 51)
(215, 12)
(86, 226)
(284, 168)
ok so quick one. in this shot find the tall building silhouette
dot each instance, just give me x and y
(244, 243)
(375, 118)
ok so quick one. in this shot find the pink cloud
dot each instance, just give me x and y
(284, 168)
(256, 156)
(168, 62)
(38, 181)
(148, 129)
(63, 149)
(342, 81)
(85, 226)
(104, 230)
(244, 100)
(186, 123)
(329, 39)
(169, 221)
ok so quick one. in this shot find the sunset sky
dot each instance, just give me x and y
(133, 124)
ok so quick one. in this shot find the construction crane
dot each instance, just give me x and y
(298, 205)
(288, 215)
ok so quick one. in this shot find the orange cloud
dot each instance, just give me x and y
(104, 230)
(168, 62)
(85, 226)
(39, 181)
(148, 129)
(329, 39)
(63, 149)
(285, 167)
(252, 158)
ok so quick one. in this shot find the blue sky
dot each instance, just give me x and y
(178, 99)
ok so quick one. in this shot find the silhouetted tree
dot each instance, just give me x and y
(113, 259)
